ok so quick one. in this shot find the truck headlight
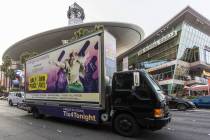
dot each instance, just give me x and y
(158, 113)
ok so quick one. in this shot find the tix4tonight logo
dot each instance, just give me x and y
(80, 116)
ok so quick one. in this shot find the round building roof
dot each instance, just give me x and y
(127, 36)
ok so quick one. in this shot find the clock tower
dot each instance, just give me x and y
(75, 14)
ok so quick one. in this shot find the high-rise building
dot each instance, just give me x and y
(177, 55)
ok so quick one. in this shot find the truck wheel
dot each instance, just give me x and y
(36, 114)
(10, 103)
(182, 107)
(125, 125)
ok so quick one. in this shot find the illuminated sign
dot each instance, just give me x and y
(158, 42)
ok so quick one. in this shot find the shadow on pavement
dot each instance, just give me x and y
(105, 128)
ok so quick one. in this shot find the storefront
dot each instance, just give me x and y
(176, 54)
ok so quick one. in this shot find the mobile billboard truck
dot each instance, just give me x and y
(78, 81)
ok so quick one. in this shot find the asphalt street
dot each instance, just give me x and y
(16, 124)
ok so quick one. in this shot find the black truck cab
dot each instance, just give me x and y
(137, 101)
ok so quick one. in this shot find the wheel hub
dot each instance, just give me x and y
(125, 125)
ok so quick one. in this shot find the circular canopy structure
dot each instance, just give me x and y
(127, 36)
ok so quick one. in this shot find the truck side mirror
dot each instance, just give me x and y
(136, 79)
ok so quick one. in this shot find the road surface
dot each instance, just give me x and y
(16, 124)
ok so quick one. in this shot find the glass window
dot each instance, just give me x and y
(124, 81)
(205, 100)
(207, 56)
(143, 90)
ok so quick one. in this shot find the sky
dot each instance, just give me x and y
(23, 18)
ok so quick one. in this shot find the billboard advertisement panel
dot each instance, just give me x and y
(19, 78)
(110, 56)
(70, 73)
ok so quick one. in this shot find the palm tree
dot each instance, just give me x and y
(2, 88)
(7, 63)
(3, 69)
(11, 75)
(24, 56)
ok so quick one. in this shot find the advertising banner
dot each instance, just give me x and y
(79, 114)
(110, 56)
(84, 115)
(70, 73)
(125, 63)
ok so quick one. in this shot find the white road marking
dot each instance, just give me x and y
(59, 131)
(200, 110)
(171, 129)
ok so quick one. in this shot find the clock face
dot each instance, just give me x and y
(79, 14)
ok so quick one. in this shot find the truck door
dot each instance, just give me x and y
(122, 85)
(136, 98)
(141, 100)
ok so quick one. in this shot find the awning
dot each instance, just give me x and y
(186, 87)
(197, 88)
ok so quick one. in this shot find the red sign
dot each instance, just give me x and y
(209, 86)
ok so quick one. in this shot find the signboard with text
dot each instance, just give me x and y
(70, 73)
(158, 42)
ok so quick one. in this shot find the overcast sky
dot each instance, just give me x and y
(23, 18)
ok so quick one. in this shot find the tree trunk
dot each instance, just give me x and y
(6, 84)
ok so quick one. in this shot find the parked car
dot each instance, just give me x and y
(179, 103)
(15, 98)
(202, 102)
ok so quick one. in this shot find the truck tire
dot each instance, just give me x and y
(182, 107)
(10, 103)
(36, 114)
(125, 125)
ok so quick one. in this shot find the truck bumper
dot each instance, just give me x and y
(156, 124)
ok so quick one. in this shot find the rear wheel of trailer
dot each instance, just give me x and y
(36, 114)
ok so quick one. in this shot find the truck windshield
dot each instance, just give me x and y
(153, 82)
(155, 85)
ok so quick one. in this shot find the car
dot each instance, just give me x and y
(15, 98)
(202, 102)
(179, 103)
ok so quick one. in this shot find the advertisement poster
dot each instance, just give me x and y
(70, 73)
(125, 63)
(110, 55)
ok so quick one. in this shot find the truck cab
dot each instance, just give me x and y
(137, 101)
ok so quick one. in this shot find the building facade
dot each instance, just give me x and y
(126, 34)
(177, 55)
